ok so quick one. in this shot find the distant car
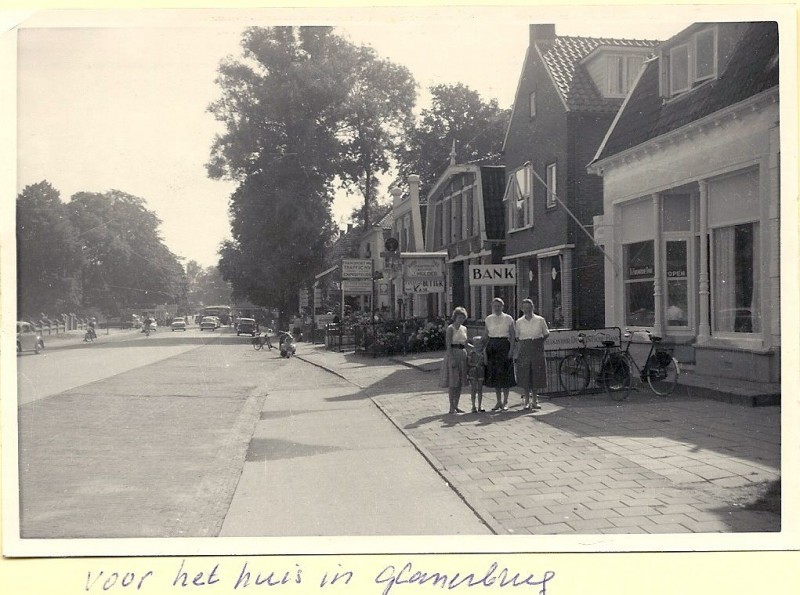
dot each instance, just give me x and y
(28, 339)
(209, 323)
(179, 324)
(246, 326)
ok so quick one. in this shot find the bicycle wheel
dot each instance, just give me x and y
(257, 344)
(663, 379)
(573, 374)
(616, 377)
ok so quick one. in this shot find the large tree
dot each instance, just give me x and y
(48, 253)
(301, 108)
(378, 109)
(125, 261)
(457, 114)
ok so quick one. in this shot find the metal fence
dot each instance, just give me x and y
(564, 379)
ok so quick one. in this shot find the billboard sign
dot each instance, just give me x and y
(356, 268)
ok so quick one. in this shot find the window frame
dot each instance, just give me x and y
(693, 79)
(714, 57)
(626, 283)
(510, 208)
(551, 204)
(672, 50)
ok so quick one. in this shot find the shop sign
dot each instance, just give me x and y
(493, 274)
(356, 286)
(356, 268)
(569, 339)
(323, 320)
(423, 267)
(317, 297)
(640, 271)
(423, 285)
(303, 296)
(676, 271)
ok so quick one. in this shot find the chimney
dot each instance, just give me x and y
(542, 33)
(397, 196)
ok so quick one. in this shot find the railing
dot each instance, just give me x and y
(562, 343)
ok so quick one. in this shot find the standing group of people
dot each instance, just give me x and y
(511, 354)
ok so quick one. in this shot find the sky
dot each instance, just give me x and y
(119, 101)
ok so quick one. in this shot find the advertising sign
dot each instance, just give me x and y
(569, 339)
(317, 297)
(493, 274)
(356, 286)
(303, 295)
(356, 268)
(421, 285)
(423, 267)
(323, 320)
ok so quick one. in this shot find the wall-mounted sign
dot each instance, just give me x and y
(493, 274)
(423, 267)
(422, 285)
(356, 268)
(356, 286)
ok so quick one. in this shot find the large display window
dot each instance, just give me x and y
(640, 307)
(735, 274)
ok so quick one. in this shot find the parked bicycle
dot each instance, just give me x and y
(660, 371)
(575, 370)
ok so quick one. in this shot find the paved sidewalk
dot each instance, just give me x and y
(586, 464)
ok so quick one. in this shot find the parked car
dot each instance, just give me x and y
(246, 325)
(28, 339)
(209, 323)
(179, 324)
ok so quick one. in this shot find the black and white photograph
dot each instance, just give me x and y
(492, 278)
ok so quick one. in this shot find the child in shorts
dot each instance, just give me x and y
(476, 369)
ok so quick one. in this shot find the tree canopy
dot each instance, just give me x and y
(457, 113)
(49, 255)
(301, 109)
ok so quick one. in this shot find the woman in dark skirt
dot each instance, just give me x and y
(499, 349)
(531, 332)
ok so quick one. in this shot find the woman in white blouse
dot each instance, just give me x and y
(499, 349)
(531, 331)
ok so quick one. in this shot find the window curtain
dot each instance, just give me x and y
(724, 279)
(755, 301)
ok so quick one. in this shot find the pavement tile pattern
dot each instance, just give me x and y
(586, 464)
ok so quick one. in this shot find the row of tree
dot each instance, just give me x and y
(99, 253)
(306, 112)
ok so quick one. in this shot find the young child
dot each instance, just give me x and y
(476, 369)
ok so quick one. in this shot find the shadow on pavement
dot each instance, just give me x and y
(272, 449)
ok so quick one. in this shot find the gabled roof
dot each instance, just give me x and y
(387, 220)
(751, 69)
(573, 82)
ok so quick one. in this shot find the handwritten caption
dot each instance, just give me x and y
(247, 575)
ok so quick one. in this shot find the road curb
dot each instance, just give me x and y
(437, 466)
(328, 369)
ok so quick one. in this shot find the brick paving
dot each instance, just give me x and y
(587, 464)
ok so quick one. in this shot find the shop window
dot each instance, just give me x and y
(519, 199)
(677, 310)
(640, 309)
(735, 273)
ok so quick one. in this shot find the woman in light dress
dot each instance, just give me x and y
(453, 373)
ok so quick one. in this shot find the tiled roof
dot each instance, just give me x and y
(346, 246)
(573, 81)
(751, 69)
(387, 221)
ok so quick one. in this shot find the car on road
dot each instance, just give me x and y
(179, 324)
(209, 323)
(246, 326)
(28, 339)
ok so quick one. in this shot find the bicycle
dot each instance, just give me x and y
(660, 370)
(259, 341)
(575, 371)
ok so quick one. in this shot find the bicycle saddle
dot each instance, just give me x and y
(609, 343)
(655, 339)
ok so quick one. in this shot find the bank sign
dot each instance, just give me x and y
(493, 274)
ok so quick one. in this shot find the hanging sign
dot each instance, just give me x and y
(493, 274)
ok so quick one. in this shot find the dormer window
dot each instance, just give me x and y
(621, 74)
(690, 63)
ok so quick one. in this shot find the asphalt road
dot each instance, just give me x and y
(198, 435)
